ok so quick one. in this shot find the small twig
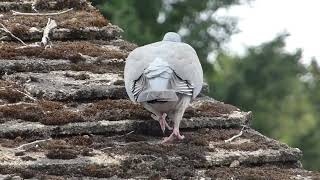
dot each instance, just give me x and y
(16, 104)
(118, 137)
(105, 148)
(16, 13)
(33, 6)
(27, 95)
(121, 135)
(51, 24)
(235, 136)
(32, 143)
(7, 31)
(36, 44)
(126, 134)
(3, 37)
(49, 27)
(24, 93)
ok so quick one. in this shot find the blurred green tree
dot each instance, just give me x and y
(309, 142)
(147, 21)
(312, 80)
(272, 83)
(264, 77)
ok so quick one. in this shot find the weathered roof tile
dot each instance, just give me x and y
(64, 112)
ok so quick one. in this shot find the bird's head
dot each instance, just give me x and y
(172, 36)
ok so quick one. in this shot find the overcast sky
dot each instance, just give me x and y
(262, 20)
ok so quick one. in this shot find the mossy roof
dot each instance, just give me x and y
(64, 111)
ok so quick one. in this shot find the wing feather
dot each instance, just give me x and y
(181, 86)
(138, 86)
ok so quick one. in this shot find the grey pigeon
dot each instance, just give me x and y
(164, 77)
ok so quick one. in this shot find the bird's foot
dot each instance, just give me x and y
(162, 121)
(168, 127)
(174, 135)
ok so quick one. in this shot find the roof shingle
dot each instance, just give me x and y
(64, 112)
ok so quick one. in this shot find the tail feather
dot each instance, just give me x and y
(151, 95)
(159, 82)
(158, 68)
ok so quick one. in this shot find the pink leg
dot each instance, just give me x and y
(174, 134)
(163, 123)
(168, 127)
(177, 117)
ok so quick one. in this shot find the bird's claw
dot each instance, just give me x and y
(168, 127)
(174, 134)
(162, 121)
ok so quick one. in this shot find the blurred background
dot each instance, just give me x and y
(259, 55)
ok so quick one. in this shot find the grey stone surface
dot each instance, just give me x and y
(15, 128)
(70, 85)
(65, 85)
(45, 65)
(33, 65)
(106, 160)
(89, 33)
(223, 157)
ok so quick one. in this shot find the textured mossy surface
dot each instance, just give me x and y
(64, 112)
